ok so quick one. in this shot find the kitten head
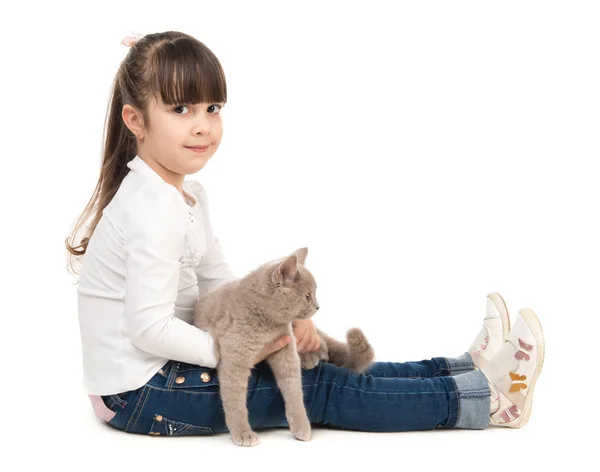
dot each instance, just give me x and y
(293, 288)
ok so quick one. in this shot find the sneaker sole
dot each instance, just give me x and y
(536, 328)
(503, 309)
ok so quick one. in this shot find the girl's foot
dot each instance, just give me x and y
(496, 326)
(514, 370)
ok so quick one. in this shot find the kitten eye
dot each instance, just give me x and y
(308, 296)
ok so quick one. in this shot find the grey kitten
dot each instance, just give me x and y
(244, 315)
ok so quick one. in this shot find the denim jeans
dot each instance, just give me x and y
(183, 399)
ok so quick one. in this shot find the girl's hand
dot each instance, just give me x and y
(307, 339)
(270, 348)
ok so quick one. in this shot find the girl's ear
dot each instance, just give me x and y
(133, 120)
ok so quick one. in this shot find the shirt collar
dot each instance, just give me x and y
(137, 164)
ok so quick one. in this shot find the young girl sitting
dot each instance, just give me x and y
(150, 253)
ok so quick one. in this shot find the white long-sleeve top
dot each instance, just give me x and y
(150, 258)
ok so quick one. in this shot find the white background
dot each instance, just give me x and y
(427, 153)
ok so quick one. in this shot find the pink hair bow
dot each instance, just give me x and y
(131, 39)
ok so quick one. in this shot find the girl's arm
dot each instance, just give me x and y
(154, 229)
(213, 269)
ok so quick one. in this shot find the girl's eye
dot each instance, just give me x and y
(180, 106)
(215, 105)
(186, 106)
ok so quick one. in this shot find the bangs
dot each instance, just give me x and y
(185, 72)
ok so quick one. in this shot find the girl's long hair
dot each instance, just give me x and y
(172, 66)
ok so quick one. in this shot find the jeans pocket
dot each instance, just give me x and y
(117, 403)
(194, 377)
(163, 426)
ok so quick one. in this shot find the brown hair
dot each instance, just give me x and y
(171, 65)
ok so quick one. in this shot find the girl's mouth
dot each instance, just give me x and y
(199, 150)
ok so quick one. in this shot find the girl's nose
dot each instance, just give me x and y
(202, 126)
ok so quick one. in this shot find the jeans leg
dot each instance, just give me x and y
(474, 398)
(460, 365)
(434, 367)
(184, 399)
(338, 397)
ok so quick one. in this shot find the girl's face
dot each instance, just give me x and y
(173, 129)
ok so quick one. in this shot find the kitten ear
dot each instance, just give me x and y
(286, 271)
(301, 253)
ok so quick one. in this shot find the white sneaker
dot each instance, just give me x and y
(496, 326)
(514, 370)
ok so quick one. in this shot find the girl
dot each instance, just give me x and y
(151, 252)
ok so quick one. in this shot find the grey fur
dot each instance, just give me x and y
(246, 314)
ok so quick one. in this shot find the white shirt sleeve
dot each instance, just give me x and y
(154, 228)
(213, 269)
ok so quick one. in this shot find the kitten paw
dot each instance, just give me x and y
(300, 428)
(246, 439)
(309, 360)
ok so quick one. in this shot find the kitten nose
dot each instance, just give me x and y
(317, 307)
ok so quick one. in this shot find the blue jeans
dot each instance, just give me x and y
(183, 399)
